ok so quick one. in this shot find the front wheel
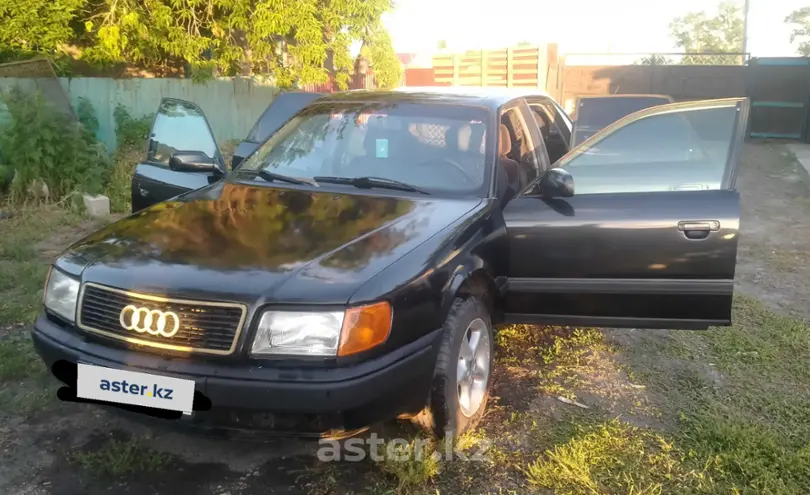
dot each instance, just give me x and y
(460, 388)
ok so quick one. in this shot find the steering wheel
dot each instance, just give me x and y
(458, 168)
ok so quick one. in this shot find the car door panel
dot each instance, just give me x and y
(609, 247)
(630, 251)
(152, 184)
(178, 126)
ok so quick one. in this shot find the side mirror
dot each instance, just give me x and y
(192, 161)
(556, 183)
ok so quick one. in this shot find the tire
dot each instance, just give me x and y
(448, 412)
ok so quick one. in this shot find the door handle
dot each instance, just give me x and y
(698, 229)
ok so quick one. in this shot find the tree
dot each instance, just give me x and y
(294, 41)
(697, 32)
(379, 50)
(654, 59)
(800, 19)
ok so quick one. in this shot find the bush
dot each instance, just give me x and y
(6, 175)
(131, 133)
(52, 155)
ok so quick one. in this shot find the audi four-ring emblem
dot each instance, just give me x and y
(151, 321)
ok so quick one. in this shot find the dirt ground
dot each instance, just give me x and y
(541, 393)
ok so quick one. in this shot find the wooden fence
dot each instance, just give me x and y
(508, 67)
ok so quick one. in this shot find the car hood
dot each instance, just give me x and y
(241, 241)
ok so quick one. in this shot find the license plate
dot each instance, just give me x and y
(134, 387)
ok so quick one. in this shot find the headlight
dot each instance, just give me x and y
(322, 333)
(298, 332)
(61, 294)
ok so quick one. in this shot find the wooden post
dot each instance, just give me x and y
(483, 68)
(455, 69)
(509, 68)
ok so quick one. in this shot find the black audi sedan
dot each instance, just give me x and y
(353, 268)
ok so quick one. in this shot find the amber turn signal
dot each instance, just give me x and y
(364, 327)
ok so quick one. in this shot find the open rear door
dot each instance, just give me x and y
(182, 155)
(594, 113)
(649, 239)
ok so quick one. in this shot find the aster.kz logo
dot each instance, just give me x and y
(125, 387)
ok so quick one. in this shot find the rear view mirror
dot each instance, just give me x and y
(192, 161)
(556, 183)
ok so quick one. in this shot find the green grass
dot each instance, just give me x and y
(743, 426)
(17, 357)
(119, 458)
(613, 457)
(22, 271)
(25, 384)
(29, 398)
(411, 466)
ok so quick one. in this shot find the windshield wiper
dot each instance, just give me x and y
(369, 182)
(271, 176)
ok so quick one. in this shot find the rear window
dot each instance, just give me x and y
(598, 113)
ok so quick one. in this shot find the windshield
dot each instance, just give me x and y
(435, 147)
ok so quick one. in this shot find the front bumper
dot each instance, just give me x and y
(347, 398)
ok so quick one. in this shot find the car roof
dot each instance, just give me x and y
(639, 95)
(476, 91)
(489, 97)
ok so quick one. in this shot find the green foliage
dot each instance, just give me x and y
(38, 26)
(46, 147)
(6, 176)
(290, 41)
(87, 116)
(380, 52)
(697, 32)
(800, 20)
(131, 133)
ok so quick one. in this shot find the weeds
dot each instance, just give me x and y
(52, 156)
(412, 464)
(131, 134)
(117, 458)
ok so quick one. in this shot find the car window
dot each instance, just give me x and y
(522, 148)
(550, 119)
(435, 147)
(680, 150)
(598, 113)
(179, 126)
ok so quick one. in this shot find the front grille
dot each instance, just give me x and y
(206, 327)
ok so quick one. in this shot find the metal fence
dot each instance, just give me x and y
(38, 75)
(642, 58)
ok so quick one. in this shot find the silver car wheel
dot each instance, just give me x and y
(472, 372)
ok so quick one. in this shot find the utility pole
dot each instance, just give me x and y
(745, 30)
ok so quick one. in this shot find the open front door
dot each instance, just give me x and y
(649, 239)
(182, 155)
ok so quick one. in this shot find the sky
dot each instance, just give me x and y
(578, 26)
